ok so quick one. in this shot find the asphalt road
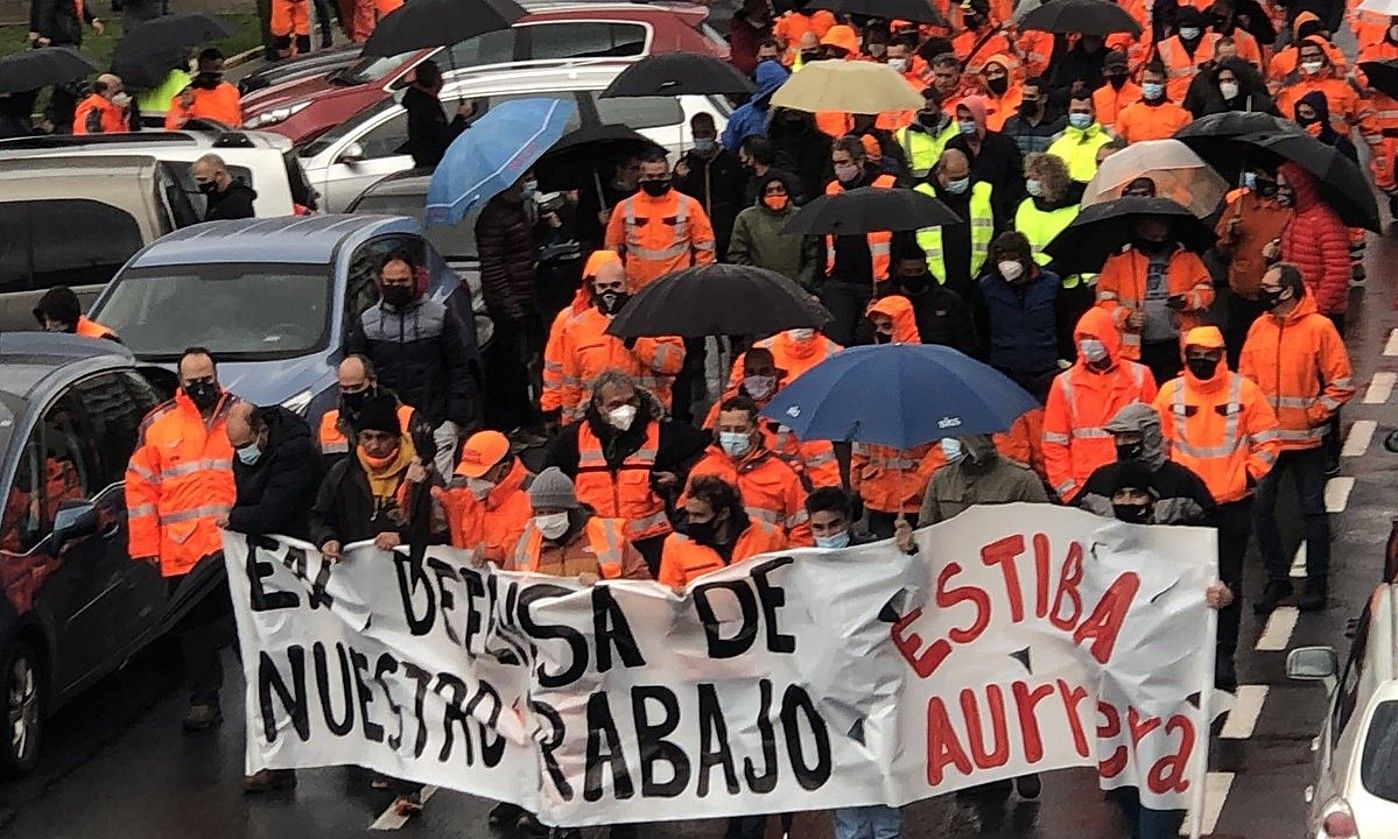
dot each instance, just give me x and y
(116, 763)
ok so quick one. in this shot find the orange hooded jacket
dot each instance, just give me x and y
(770, 488)
(1121, 290)
(493, 523)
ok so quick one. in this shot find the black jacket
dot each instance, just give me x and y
(1000, 164)
(275, 494)
(58, 21)
(802, 149)
(234, 202)
(944, 318)
(1182, 497)
(429, 133)
(420, 354)
(717, 184)
(345, 510)
(505, 241)
(681, 444)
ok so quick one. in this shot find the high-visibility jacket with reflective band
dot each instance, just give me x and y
(491, 525)
(179, 481)
(683, 560)
(1347, 110)
(1300, 362)
(625, 494)
(333, 441)
(813, 460)
(1041, 226)
(790, 356)
(1180, 66)
(605, 537)
(1080, 404)
(769, 486)
(1377, 48)
(97, 115)
(656, 236)
(1121, 290)
(1108, 102)
(923, 148)
(1223, 430)
(879, 240)
(579, 350)
(889, 480)
(92, 329)
(982, 223)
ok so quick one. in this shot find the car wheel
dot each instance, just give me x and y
(23, 691)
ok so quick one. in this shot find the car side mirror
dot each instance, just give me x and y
(1312, 664)
(75, 519)
(353, 153)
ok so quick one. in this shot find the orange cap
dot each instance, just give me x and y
(1208, 337)
(597, 260)
(483, 450)
(843, 37)
(871, 145)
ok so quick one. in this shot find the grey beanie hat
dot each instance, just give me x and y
(552, 489)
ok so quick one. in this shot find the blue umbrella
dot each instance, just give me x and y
(487, 158)
(899, 395)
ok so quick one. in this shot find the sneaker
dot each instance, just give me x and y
(1314, 597)
(202, 716)
(1028, 786)
(530, 827)
(504, 813)
(269, 780)
(1226, 674)
(1276, 592)
(408, 804)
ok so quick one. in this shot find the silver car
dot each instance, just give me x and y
(1356, 787)
(345, 161)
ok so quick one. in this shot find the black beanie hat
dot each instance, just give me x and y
(380, 413)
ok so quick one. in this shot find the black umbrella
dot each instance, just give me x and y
(678, 74)
(1220, 139)
(1382, 76)
(572, 162)
(1089, 17)
(146, 54)
(33, 69)
(438, 23)
(1342, 183)
(718, 300)
(918, 11)
(869, 209)
(1101, 229)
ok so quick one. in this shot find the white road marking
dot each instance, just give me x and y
(390, 820)
(1391, 348)
(1380, 388)
(1216, 786)
(1337, 494)
(1277, 634)
(1298, 562)
(1242, 719)
(1361, 434)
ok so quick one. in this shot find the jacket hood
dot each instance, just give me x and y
(1305, 306)
(769, 76)
(1303, 183)
(843, 37)
(1301, 20)
(1008, 62)
(980, 448)
(774, 176)
(1097, 323)
(1320, 103)
(582, 299)
(976, 105)
(900, 310)
(1141, 417)
(1209, 338)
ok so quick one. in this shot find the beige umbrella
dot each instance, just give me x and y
(853, 87)
(1179, 174)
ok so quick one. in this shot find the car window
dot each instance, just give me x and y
(640, 112)
(362, 290)
(114, 412)
(585, 39)
(491, 48)
(184, 172)
(387, 138)
(1378, 768)
(1347, 695)
(69, 458)
(39, 249)
(21, 526)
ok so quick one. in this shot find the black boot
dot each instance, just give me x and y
(1226, 674)
(504, 814)
(1315, 596)
(1276, 592)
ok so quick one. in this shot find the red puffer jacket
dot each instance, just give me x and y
(1318, 242)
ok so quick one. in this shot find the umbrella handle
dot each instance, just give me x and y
(597, 182)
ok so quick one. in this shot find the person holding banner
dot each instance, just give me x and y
(358, 381)
(485, 502)
(1181, 497)
(563, 538)
(717, 532)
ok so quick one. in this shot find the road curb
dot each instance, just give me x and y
(242, 57)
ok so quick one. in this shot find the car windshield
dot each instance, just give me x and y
(369, 69)
(239, 311)
(1379, 768)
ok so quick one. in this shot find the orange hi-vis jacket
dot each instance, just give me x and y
(491, 525)
(974, 49)
(890, 480)
(97, 115)
(683, 560)
(222, 104)
(813, 460)
(1300, 362)
(1037, 49)
(332, 438)
(1109, 102)
(1022, 443)
(1221, 429)
(1121, 290)
(1143, 121)
(178, 483)
(1181, 67)
(625, 494)
(656, 236)
(1377, 48)
(792, 357)
(1081, 401)
(604, 536)
(769, 486)
(579, 350)
(879, 240)
(92, 329)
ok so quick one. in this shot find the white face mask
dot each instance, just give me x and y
(621, 418)
(759, 387)
(1228, 89)
(1311, 67)
(552, 525)
(121, 100)
(1092, 349)
(800, 335)
(479, 487)
(951, 449)
(1010, 269)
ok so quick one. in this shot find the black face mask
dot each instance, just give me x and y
(1149, 246)
(1029, 109)
(610, 302)
(353, 401)
(1130, 451)
(397, 295)
(207, 187)
(207, 81)
(705, 533)
(1202, 368)
(998, 86)
(1268, 298)
(915, 284)
(656, 187)
(883, 338)
(929, 119)
(1132, 513)
(810, 55)
(204, 395)
(1116, 81)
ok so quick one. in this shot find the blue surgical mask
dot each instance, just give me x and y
(1034, 187)
(1152, 91)
(1250, 180)
(839, 540)
(951, 448)
(958, 186)
(735, 443)
(530, 187)
(249, 454)
(703, 145)
(966, 126)
(1080, 121)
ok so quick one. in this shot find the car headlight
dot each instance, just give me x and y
(275, 115)
(299, 403)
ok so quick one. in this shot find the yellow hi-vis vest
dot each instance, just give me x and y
(1041, 227)
(982, 223)
(923, 149)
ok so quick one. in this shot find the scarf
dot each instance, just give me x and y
(386, 474)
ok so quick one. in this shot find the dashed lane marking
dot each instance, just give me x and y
(1216, 786)
(1242, 719)
(1380, 388)
(1277, 634)
(1391, 348)
(1337, 492)
(1298, 562)
(1361, 434)
(390, 820)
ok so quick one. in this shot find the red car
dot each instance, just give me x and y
(552, 32)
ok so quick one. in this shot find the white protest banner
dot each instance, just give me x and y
(1020, 638)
